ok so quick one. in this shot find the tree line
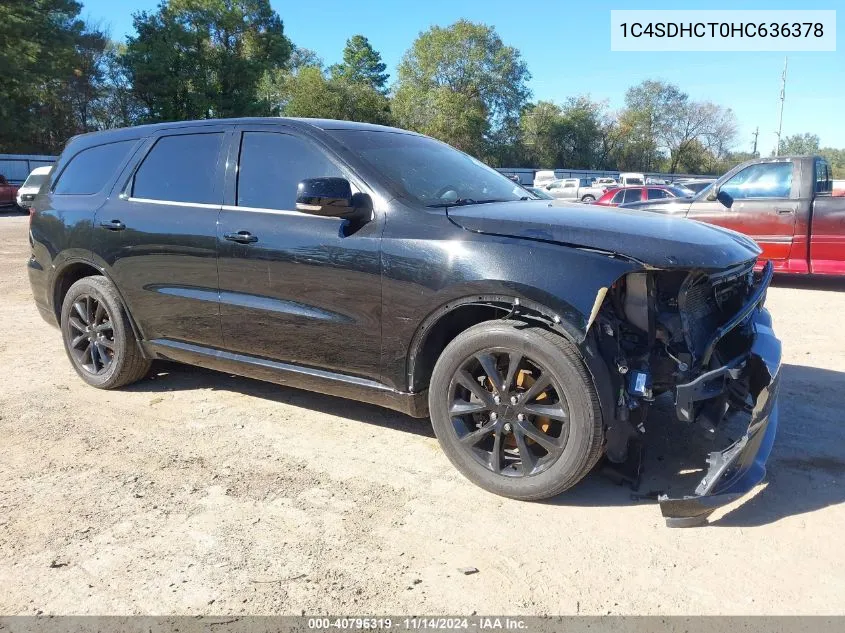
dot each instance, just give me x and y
(195, 59)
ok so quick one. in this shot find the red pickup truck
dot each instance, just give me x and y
(8, 193)
(784, 203)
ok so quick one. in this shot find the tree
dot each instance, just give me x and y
(310, 94)
(48, 60)
(799, 144)
(361, 64)
(204, 58)
(461, 84)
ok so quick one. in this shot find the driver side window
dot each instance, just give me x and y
(764, 180)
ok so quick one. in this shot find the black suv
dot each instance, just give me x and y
(385, 266)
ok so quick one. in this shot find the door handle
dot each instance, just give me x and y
(784, 210)
(114, 225)
(241, 237)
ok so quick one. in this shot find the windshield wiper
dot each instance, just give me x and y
(461, 202)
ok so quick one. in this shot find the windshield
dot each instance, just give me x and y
(34, 181)
(429, 172)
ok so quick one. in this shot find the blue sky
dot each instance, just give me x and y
(566, 45)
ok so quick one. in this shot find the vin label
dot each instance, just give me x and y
(717, 30)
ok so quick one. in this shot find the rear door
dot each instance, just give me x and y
(827, 229)
(159, 236)
(294, 287)
(765, 203)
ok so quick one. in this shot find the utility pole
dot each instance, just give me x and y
(782, 99)
(756, 134)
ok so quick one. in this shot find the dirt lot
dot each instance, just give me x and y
(197, 492)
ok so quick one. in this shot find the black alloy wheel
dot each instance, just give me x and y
(508, 413)
(92, 332)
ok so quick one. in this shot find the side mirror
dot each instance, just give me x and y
(724, 198)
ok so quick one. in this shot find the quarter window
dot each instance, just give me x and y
(271, 166)
(763, 180)
(181, 168)
(89, 170)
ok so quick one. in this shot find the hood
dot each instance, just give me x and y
(656, 240)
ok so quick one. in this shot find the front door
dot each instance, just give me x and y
(158, 238)
(765, 204)
(294, 287)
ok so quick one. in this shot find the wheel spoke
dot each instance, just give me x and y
(540, 385)
(76, 324)
(474, 437)
(546, 441)
(89, 310)
(553, 411)
(104, 342)
(488, 364)
(95, 357)
(466, 380)
(78, 340)
(104, 357)
(526, 457)
(102, 327)
(81, 310)
(462, 407)
(99, 313)
(514, 359)
(495, 461)
(86, 355)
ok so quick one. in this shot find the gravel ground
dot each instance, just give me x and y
(195, 492)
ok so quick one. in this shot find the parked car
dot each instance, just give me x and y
(627, 195)
(8, 193)
(543, 177)
(785, 203)
(695, 184)
(37, 177)
(838, 188)
(574, 189)
(536, 338)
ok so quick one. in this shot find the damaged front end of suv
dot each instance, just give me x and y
(706, 339)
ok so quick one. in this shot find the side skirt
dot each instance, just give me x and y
(290, 375)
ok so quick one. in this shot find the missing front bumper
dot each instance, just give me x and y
(734, 471)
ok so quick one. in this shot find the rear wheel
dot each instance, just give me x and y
(588, 199)
(515, 410)
(98, 337)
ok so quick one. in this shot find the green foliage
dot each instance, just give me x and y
(49, 72)
(310, 94)
(361, 64)
(461, 84)
(195, 59)
(799, 144)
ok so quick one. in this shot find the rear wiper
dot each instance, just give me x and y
(461, 202)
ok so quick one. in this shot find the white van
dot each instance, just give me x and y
(31, 186)
(543, 177)
(631, 179)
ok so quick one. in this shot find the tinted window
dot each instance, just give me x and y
(764, 180)
(90, 170)
(656, 194)
(632, 195)
(181, 169)
(617, 198)
(273, 164)
(823, 182)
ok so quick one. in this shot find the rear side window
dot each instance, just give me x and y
(181, 168)
(823, 182)
(656, 194)
(632, 195)
(272, 165)
(90, 170)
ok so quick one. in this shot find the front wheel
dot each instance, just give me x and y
(98, 337)
(515, 410)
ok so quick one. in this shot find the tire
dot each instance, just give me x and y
(579, 444)
(93, 318)
(588, 199)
